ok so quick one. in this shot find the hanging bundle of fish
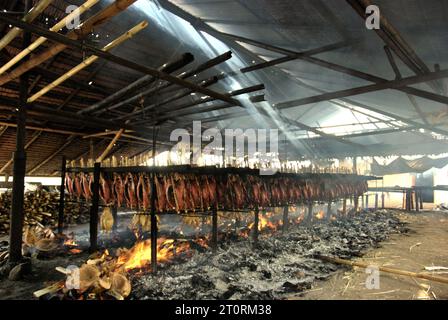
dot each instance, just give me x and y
(41, 207)
(184, 192)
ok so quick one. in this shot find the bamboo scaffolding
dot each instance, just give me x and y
(129, 34)
(385, 269)
(29, 17)
(56, 28)
(85, 28)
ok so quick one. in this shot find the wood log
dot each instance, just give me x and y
(385, 269)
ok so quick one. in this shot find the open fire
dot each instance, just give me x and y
(139, 256)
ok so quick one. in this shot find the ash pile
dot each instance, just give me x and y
(281, 264)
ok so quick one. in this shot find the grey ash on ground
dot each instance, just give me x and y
(281, 265)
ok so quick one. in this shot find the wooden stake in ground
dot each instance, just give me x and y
(384, 269)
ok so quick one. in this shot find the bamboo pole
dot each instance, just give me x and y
(29, 17)
(384, 269)
(56, 28)
(110, 146)
(129, 34)
(104, 15)
(100, 134)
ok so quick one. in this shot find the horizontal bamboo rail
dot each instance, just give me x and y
(86, 27)
(129, 34)
(29, 17)
(56, 28)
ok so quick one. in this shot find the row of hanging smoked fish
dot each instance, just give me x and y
(192, 192)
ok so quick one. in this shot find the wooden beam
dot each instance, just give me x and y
(169, 67)
(88, 61)
(398, 75)
(346, 101)
(395, 41)
(366, 89)
(86, 27)
(110, 146)
(355, 73)
(116, 59)
(184, 75)
(29, 17)
(56, 28)
(206, 83)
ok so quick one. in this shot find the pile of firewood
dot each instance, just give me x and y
(41, 207)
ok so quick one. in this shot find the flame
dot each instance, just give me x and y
(139, 256)
(70, 242)
(320, 215)
(264, 223)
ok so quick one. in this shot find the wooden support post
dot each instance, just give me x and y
(362, 202)
(285, 219)
(114, 210)
(62, 196)
(214, 229)
(19, 168)
(255, 228)
(417, 206)
(328, 215)
(94, 208)
(344, 207)
(376, 201)
(382, 200)
(154, 228)
(355, 202)
(409, 200)
(421, 200)
(309, 217)
(367, 201)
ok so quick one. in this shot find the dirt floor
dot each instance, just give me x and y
(426, 245)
